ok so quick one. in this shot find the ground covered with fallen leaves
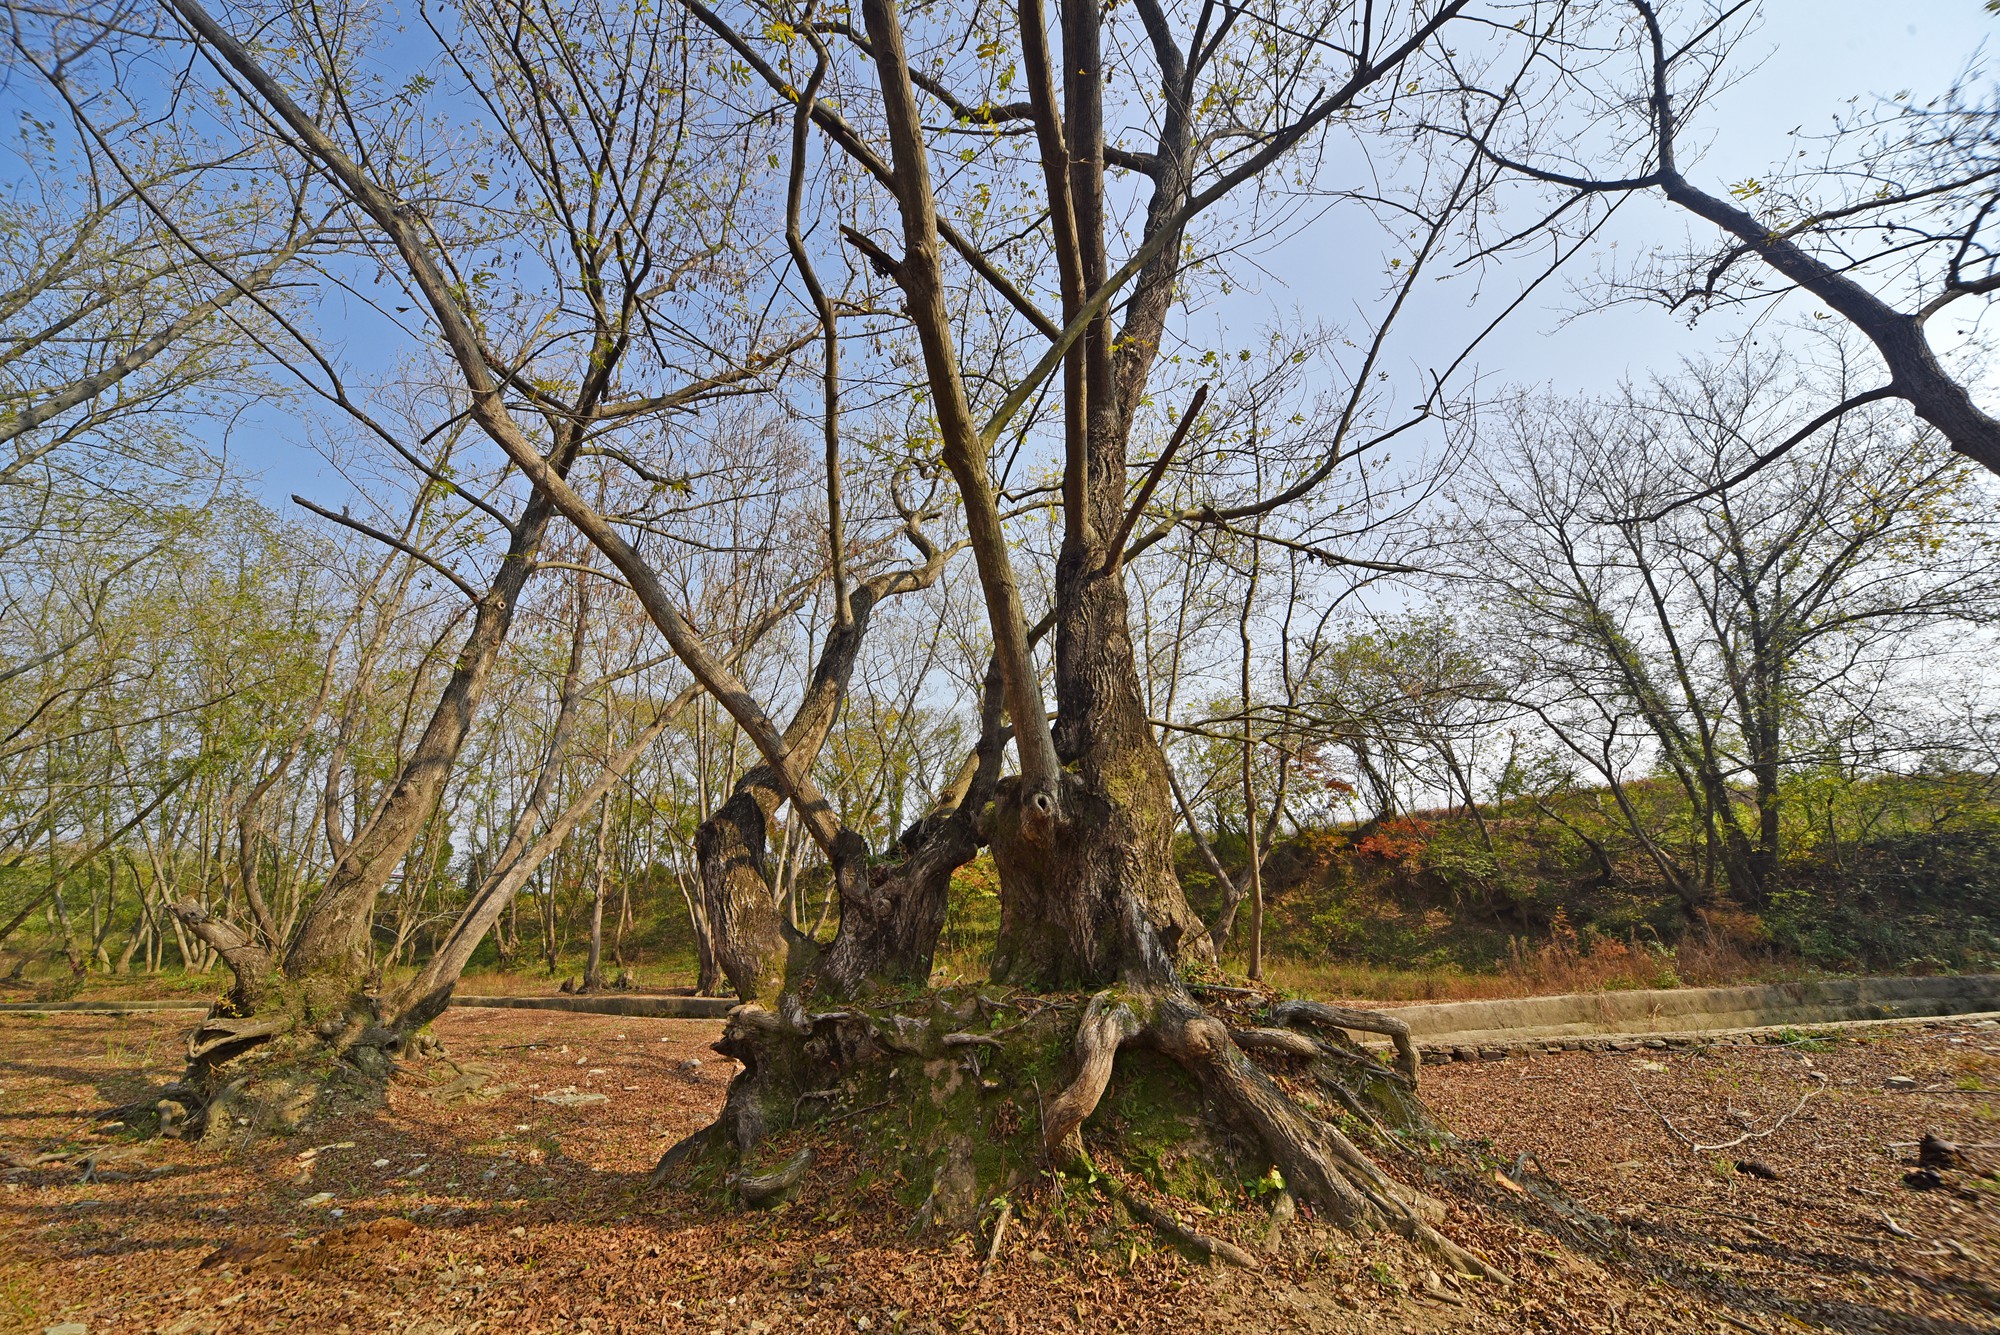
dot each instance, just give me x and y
(507, 1189)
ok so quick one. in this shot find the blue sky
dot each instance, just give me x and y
(1815, 54)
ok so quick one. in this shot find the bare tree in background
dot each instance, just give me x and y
(594, 360)
(1701, 640)
(1889, 221)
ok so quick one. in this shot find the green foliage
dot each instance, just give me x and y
(1902, 875)
(972, 918)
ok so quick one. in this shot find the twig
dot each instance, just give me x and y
(827, 1094)
(1700, 1148)
(999, 1235)
(1165, 1222)
(962, 1040)
(1115, 555)
(1717, 1214)
(390, 540)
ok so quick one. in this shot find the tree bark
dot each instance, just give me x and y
(593, 976)
(749, 933)
(1099, 900)
(333, 938)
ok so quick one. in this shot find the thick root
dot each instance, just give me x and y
(1290, 1013)
(1106, 1024)
(967, 1095)
(266, 1071)
(1316, 1159)
(773, 1187)
(1320, 1164)
(220, 1038)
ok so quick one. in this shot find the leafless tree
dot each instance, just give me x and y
(1888, 221)
(1702, 640)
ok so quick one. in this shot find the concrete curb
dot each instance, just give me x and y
(1472, 1030)
(1695, 1009)
(1782, 1035)
(1445, 1031)
(667, 1008)
(97, 1007)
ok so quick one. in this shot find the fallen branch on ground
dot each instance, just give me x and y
(1700, 1148)
(1165, 1222)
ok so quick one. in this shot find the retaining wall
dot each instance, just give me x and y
(1697, 1010)
(1440, 1025)
(673, 1008)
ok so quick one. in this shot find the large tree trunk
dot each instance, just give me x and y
(1101, 899)
(1082, 837)
(890, 931)
(332, 941)
(754, 945)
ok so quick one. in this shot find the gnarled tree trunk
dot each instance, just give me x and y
(754, 945)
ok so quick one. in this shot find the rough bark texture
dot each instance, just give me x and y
(753, 943)
(1096, 898)
(1100, 899)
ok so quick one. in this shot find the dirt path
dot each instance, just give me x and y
(522, 1205)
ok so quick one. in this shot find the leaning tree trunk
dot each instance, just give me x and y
(312, 997)
(332, 941)
(426, 995)
(753, 943)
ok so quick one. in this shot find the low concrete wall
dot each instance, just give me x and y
(1700, 1009)
(97, 1007)
(668, 1008)
(1687, 1010)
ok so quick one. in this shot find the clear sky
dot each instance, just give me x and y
(1816, 54)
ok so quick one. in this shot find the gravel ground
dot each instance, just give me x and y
(510, 1194)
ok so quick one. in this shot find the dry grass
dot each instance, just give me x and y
(1707, 957)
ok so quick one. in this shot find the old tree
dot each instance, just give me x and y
(996, 235)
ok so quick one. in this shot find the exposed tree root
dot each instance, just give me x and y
(1167, 1223)
(946, 1097)
(1319, 1163)
(268, 1069)
(1318, 1013)
(770, 1188)
(219, 1038)
(1106, 1024)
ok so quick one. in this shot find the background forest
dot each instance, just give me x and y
(1756, 735)
(1688, 681)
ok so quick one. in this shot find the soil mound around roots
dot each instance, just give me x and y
(964, 1106)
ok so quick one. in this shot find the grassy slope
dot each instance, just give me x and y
(1441, 906)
